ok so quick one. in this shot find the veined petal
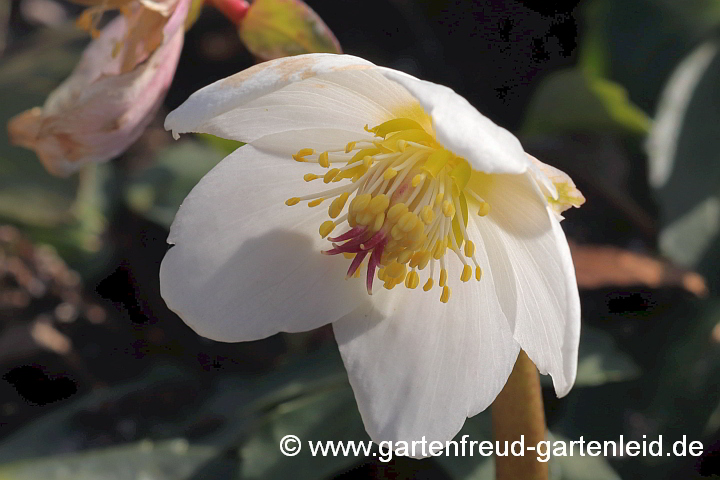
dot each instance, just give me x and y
(534, 275)
(461, 128)
(329, 109)
(257, 81)
(246, 266)
(98, 112)
(419, 368)
(557, 186)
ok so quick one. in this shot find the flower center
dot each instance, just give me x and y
(408, 208)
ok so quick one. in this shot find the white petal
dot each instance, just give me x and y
(462, 129)
(242, 88)
(245, 265)
(419, 367)
(534, 275)
(332, 101)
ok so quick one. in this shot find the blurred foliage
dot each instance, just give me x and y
(69, 214)
(279, 28)
(157, 192)
(650, 351)
(637, 43)
(685, 163)
(572, 100)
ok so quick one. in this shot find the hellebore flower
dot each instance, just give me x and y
(425, 196)
(114, 91)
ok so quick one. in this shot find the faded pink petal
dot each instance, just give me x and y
(98, 112)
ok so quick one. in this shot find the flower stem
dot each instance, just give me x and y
(518, 410)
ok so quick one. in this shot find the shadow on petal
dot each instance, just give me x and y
(277, 282)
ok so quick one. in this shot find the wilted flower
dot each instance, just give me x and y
(423, 191)
(115, 90)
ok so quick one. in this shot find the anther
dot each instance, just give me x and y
(379, 220)
(427, 214)
(292, 201)
(484, 209)
(337, 205)
(360, 202)
(326, 228)
(302, 153)
(469, 248)
(389, 174)
(466, 273)
(379, 203)
(412, 280)
(445, 297)
(448, 209)
(324, 160)
(404, 256)
(316, 202)
(443, 277)
(396, 211)
(478, 273)
(428, 285)
(309, 177)
(330, 174)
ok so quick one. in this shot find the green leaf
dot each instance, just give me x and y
(28, 194)
(222, 145)
(637, 43)
(600, 361)
(684, 163)
(280, 28)
(571, 100)
(157, 192)
(147, 460)
(56, 427)
(475, 467)
(576, 467)
(330, 415)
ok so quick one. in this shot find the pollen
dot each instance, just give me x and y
(404, 202)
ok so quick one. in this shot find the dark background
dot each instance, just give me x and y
(133, 371)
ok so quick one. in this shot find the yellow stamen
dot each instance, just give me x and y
(484, 209)
(326, 228)
(466, 273)
(330, 175)
(302, 153)
(389, 174)
(469, 248)
(445, 297)
(427, 214)
(412, 280)
(337, 205)
(407, 203)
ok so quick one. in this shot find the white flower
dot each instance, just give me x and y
(423, 190)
